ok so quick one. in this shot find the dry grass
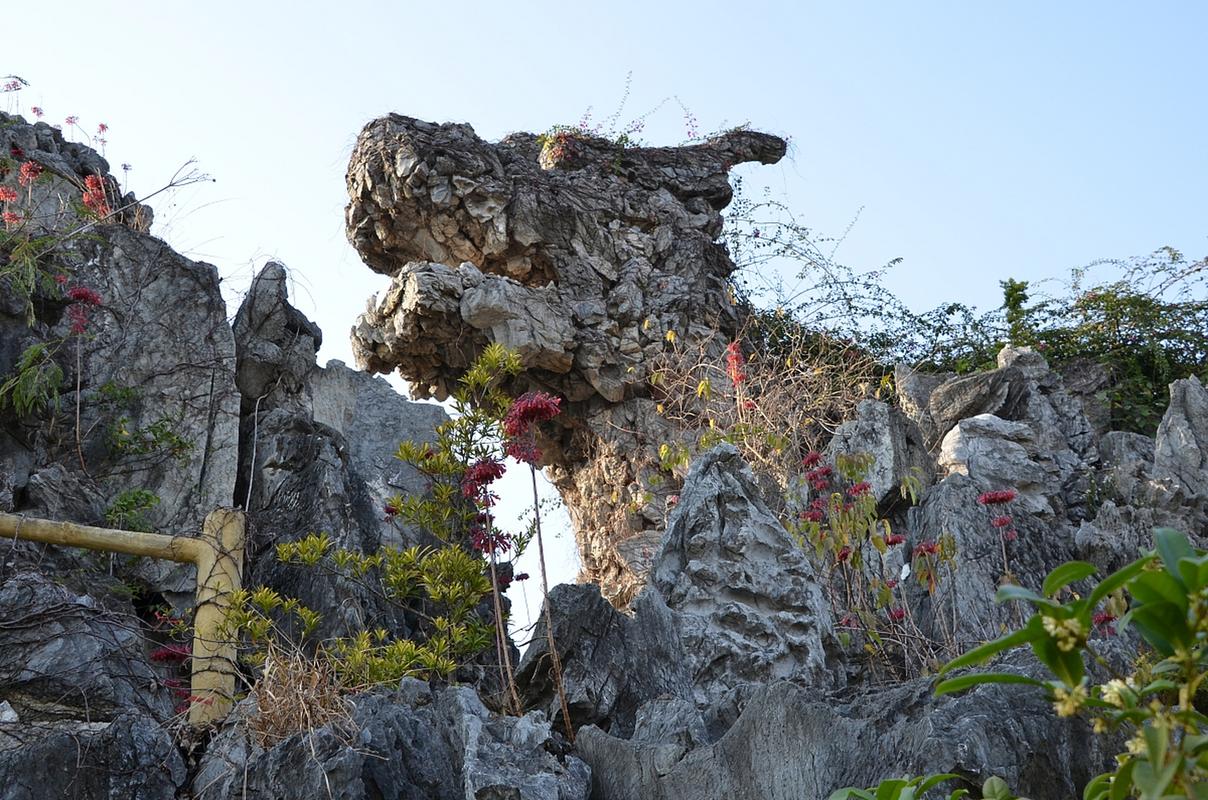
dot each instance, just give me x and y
(796, 387)
(296, 693)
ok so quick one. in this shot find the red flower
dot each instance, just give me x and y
(750, 405)
(102, 128)
(391, 508)
(94, 196)
(84, 295)
(61, 279)
(15, 151)
(859, 489)
(529, 408)
(891, 584)
(489, 540)
(1010, 535)
(1001, 521)
(814, 515)
(894, 538)
(483, 472)
(176, 653)
(844, 553)
(673, 500)
(523, 450)
(926, 549)
(11, 218)
(812, 459)
(996, 498)
(897, 614)
(7, 194)
(71, 120)
(37, 111)
(29, 173)
(735, 363)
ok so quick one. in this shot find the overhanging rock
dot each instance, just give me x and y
(584, 256)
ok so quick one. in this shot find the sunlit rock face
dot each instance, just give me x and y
(584, 256)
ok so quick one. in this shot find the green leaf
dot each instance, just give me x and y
(890, 789)
(965, 681)
(1067, 666)
(934, 780)
(979, 655)
(1172, 545)
(1122, 784)
(1117, 579)
(1194, 572)
(1067, 573)
(1013, 592)
(1159, 587)
(850, 792)
(1098, 787)
(995, 788)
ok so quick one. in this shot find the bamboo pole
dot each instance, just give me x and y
(218, 555)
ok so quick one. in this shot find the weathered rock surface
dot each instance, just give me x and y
(130, 758)
(583, 256)
(1181, 443)
(413, 744)
(147, 399)
(317, 451)
(63, 654)
(788, 743)
(733, 602)
(895, 443)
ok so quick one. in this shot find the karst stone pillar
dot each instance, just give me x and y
(584, 256)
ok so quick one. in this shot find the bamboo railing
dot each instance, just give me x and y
(218, 554)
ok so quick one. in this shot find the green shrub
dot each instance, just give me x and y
(1160, 705)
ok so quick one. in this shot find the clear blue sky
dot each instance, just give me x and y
(982, 140)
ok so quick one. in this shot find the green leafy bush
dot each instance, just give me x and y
(1160, 705)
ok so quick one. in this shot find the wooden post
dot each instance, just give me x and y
(219, 568)
(218, 554)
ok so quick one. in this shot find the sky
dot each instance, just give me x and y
(974, 141)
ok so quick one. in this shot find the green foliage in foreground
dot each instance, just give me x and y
(1160, 704)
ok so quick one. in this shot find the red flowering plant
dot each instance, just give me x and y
(834, 516)
(462, 466)
(776, 391)
(997, 503)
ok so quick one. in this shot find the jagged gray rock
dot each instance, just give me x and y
(733, 602)
(895, 443)
(1181, 443)
(787, 743)
(66, 655)
(130, 758)
(735, 578)
(318, 447)
(613, 663)
(413, 744)
(581, 254)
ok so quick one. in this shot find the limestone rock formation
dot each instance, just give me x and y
(581, 254)
(412, 744)
(132, 756)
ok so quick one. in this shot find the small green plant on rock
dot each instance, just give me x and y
(36, 384)
(128, 510)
